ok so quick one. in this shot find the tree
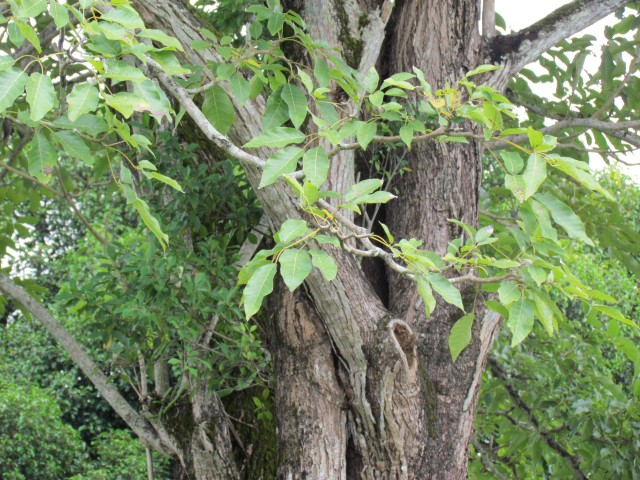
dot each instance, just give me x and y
(375, 377)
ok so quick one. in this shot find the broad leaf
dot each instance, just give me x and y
(295, 265)
(316, 165)
(82, 99)
(12, 82)
(124, 15)
(564, 216)
(297, 103)
(362, 188)
(365, 133)
(41, 96)
(276, 111)
(42, 157)
(75, 146)
(277, 138)
(325, 263)
(280, 163)
(512, 161)
(534, 174)
(445, 289)
(218, 109)
(290, 230)
(426, 293)
(520, 320)
(460, 335)
(259, 286)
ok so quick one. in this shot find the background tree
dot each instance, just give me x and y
(375, 377)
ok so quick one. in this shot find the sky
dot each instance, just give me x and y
(519, 14)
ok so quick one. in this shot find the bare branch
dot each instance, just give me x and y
(525, 46)
(373, 36)
(140, 426)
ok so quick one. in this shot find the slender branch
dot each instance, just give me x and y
(182, 95)
(487, 462)
(525, 46)
(395, 138)
(501, 375)
(140, 426)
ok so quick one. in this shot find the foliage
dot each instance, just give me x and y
(534, 420)
(34, 443)
(120, 456)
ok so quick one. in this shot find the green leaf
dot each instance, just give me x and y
(615, 314)
(85, 123)
(218, 109)
(517, 185)
(406, 134)
(564, 216)
(83, 98)
(544, 313)
(290, 230)
(327, 240)
(306, 80)
(163, 38)
(508, 292)
(297, 103)
(460, 335)
(276, 111)
(124, 15)
(295, 265)
(40, 95)
(151, 93)
(126, 103)
(426, 293)
(31, 8)
(482, 69)
(362, 188)
(325, 263)
(12, 82)
(280, 163)
(275, 23)
(258, 286)
(150, 221)
(542, 216)
(6, 62)
(240, 88)
(535, 137)
(42, 157)
(59, 14)
(365, 133)
(387, 233)
(512, 161)
(316, 165)
(520, 320)
(164, 179)
(75, 146)
(170, 63)
(371, 80)
(579, 171)
(376, 197)
(445, 289)
(534, 174)
(277, 138)
(120, 71)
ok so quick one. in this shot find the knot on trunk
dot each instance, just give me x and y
(404, 340)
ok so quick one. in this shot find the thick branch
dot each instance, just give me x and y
(141, 427)
(525, 46)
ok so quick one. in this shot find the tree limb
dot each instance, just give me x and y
(489, 18)
(140, 426)
(525, 46)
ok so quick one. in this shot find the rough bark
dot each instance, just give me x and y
(442, 39)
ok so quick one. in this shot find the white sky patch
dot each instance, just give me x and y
(519, 14)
